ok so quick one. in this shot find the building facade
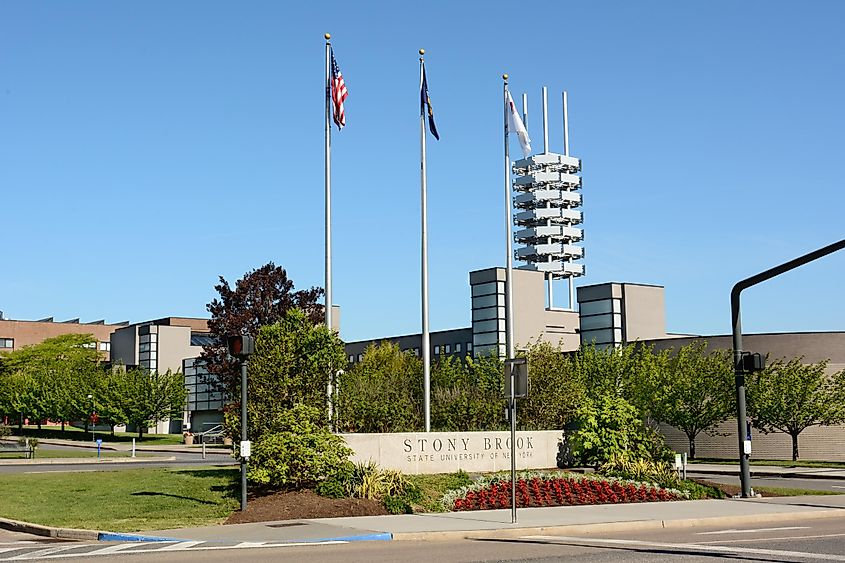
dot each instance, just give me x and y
(15, 334)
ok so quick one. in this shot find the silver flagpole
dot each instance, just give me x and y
(509, 301)
(426, 352)
(328, 300)
(328, 296)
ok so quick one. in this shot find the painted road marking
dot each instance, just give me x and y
(688, 547)
(91, 550)
(779, 538)
(43, 553)
(735, 531)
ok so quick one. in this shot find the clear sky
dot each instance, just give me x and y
(147, 148)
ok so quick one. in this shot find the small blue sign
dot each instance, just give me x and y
(99, 441)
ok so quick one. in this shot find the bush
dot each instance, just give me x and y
(647, 470)
(397, 505)
(299, 453)
(331, 489)
(611, 427)
(5, 431)
(340, 483)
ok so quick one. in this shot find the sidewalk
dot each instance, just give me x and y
(767, 471)
(127, 446)
(557, 520)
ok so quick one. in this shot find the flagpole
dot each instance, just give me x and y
(426, 352)
(509, 300)
(328, 296)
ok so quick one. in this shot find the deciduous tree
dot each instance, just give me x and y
(691, 390)
(791, 396)
(262, 297)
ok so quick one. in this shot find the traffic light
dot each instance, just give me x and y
(241, 345)
(752, 363)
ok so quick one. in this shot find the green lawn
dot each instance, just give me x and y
(791, 492)
(122, 501)
(75, 433)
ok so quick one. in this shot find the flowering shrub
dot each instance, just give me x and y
(554, 489)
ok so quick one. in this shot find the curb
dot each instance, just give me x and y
(114, 536)
(630, 525)
(48, 531)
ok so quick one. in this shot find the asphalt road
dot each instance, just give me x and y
(798, 541)
(833, 485)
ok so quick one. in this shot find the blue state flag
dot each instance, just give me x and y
(425, 106)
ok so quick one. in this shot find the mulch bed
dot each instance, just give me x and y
(298, 505)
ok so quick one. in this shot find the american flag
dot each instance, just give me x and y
(339, 94)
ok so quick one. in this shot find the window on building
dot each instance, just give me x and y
(417, 352)
(90, 345)
(469, 350)
(448, 349)
(351, 359)
(437, 350)
(7, 343)
(201, 339)
(360, 359)
(457, 349)
(106, 346)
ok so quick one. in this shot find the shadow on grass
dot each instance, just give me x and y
(231, 477)
(152, 494)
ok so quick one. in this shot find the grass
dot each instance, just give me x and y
(79, 434)
(775, 462)
(791, 492)
(122, 501)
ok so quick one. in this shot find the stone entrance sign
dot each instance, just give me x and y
(447, 452)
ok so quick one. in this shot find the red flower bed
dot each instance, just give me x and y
(560, 491)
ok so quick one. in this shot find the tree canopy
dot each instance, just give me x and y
(790, 396)
(262, 297)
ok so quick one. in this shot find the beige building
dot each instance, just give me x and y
(15, 334)
(173, 343)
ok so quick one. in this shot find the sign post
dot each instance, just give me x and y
(516, 386)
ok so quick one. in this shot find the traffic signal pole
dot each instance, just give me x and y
(739, 368)
(244, 459)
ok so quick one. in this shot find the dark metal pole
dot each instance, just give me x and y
(244, 461)
(744, 471)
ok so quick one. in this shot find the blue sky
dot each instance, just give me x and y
(147, 148)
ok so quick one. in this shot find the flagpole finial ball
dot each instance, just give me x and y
(504, 77)
(422, 51)
(328, 36)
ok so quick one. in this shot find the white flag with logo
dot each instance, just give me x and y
(518, 127)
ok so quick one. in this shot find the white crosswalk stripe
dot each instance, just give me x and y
(30, 551)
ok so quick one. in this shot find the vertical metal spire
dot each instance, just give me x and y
(566, 153)
(426, 339)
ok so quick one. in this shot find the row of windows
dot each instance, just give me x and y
(7, 343)
(102, 346)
